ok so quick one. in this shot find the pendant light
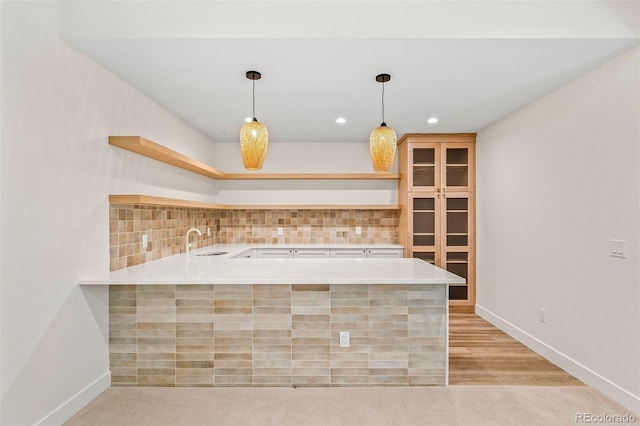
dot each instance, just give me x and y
(254, 138)
(383, 140)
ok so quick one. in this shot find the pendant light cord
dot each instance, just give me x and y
(253, 97)
(383, 102)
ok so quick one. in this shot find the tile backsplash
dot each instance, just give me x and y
(308, 226)
(166, 227)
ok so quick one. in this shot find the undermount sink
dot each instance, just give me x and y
(210, 253)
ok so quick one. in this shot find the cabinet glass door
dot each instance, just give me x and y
(425, 174)
(457, 167)
(458, 263)
(457, 220)
(425, 222)
(456, 226)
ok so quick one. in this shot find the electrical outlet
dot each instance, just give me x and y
(344, 339)
(542, 315)
(280, 230)
(358, 230)
(145, 241)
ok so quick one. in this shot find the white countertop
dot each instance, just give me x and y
(183, 269)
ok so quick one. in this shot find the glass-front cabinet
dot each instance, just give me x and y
(438, 167)
(457, 241)
(437, 194)
(425, 220)
(458, 169)
(441, 226)
(425, 174)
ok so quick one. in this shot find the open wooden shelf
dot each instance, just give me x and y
(151, 200)
(150, 149)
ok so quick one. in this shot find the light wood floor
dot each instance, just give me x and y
(481, 354)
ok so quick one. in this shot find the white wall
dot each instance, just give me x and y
(58, 107)
(321, 157)
(556, 181)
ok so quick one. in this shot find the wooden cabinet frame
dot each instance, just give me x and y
(410, 190)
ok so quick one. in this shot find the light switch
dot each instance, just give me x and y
(542, 315)
(358, 230)
(144, 241)
(618, 248)
(280, 230)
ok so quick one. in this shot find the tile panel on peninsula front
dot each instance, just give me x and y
(278, 335)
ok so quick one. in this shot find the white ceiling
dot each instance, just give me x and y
(467, 83)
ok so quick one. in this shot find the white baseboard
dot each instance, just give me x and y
(590, 377)
(65, 411)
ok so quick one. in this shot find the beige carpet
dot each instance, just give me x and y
(453, 405)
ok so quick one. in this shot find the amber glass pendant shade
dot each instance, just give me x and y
(383, 140)
(382, 146)
(254, 141)
(254, 138)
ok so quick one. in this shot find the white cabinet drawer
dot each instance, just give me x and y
(348, 253)
(263, 253)
(385, 253)
(312, 253)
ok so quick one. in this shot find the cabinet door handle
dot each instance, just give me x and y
(438, 190)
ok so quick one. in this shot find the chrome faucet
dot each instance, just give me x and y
(186, 239)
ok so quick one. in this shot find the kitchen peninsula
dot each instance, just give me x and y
(232, 320)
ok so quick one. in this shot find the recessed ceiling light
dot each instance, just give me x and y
(432, 120)
(341, 120)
